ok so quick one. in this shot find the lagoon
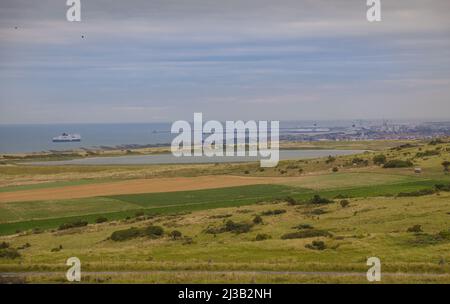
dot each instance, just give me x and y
(168, 158)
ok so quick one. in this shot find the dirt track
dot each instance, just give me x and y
(134, 186)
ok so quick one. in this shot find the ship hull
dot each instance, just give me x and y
(65, 140)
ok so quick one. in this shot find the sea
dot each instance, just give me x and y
(23, 138)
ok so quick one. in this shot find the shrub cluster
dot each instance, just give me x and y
(398, 163)
(316, 245)
(262, 237)
(241, 227)
(303, 227)
(101, 220)
(305, 234)
(257, 220)
(360, 162)
(379, 159)
(415, 229)
(422, 192)
(9, 253)
(75, 224)
(273, 212)
(424, 239)
(344, 203)
(318, 200)
(131, 233)
(442, 187)
(230, 226)
(436, 142)
(291, 201)
(176, 234)
(427, 153)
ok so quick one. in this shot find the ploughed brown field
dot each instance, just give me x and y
(134, 186)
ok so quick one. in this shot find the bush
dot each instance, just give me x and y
(230, 226)
(330, 159)
(422, 192)
(335, 169)
(175, 234)
(398, 163)
(126, 234)
(292, 167)
(303, 226)
(379, 159)
(262, 237)
(436, 142)
(139, 213)
(9, 253)
(442, 187)
(424, 239)
(131, 233)
(274, 212)
(153, 231)
(75, 224)
(404, 146)
(24, 246)
(242, 227)
(316, 245)
(305, 234)
(4, 245)
(291, 201)
(257, 220)
(101, 220)
(415, 229)
(344, 203)
(427, 153)
(317, 200)
(359, 161)
(57, 249)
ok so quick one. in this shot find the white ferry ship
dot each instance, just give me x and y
(65, 137)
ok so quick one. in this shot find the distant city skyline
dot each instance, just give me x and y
(163, 60)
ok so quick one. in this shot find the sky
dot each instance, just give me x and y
(163, 60)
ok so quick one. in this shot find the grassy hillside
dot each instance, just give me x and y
(277, 232)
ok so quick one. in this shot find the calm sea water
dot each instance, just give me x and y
(35, 138)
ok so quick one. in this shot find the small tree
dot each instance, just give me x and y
(446, 165)
(415, 229)
(344, 203)
(330, 159)
(257, 220)
(379, 159)
(175, 234)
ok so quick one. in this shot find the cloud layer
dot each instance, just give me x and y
(253, 59)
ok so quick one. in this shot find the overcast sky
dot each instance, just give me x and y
(161, 60)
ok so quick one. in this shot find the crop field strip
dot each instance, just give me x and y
(176, 202)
